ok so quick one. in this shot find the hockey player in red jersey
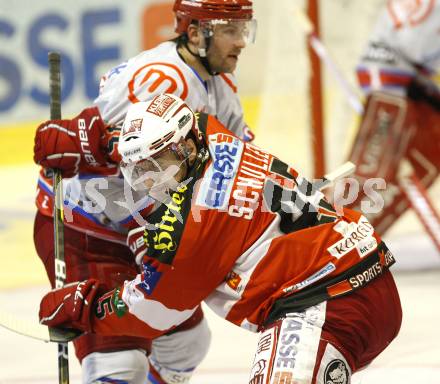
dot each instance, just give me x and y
(242, 231)
(197, 66)
(400, 130)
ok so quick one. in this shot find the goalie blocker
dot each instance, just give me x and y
(395, 128)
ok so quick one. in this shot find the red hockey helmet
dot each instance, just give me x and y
(188, 10)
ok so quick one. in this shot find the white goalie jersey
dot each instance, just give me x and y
(405, 42)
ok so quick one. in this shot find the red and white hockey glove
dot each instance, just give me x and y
(70, 145)
(70, 306)
(137, 244)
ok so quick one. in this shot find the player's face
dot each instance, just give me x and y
(166, 169)
(226, 45)
(156, 175)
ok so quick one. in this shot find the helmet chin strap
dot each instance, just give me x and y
(203, 52)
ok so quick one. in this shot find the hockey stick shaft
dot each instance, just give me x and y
(58, 214)
(323, 54)
(417, 197)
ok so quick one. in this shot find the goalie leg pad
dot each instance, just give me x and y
(387, 126)
(394, 128)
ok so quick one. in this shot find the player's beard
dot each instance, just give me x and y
(223, 62)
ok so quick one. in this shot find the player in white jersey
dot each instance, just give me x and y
(197, 66)
(400, 129)
(243, 231)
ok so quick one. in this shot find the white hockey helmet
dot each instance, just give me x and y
(151, 128)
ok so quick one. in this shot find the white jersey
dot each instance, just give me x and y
(162, 70)
(405, 42)
(96, 203)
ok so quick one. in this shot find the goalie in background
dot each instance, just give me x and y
(242, 231)
(197, 65)
(399, 136)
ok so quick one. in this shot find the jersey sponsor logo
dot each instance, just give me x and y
(165, 224)
(336, 372)
(157, 78)
(297, 344)
(215, 188)
(327, 269)
(251, 177)
(162, 239)
(233, 280)
(386, 260)
(366, 276)
(263, 357)
(357, 236)
(287, 348)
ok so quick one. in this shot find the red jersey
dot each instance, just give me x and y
(243, 232)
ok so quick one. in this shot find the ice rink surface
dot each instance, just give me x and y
(414, 357)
